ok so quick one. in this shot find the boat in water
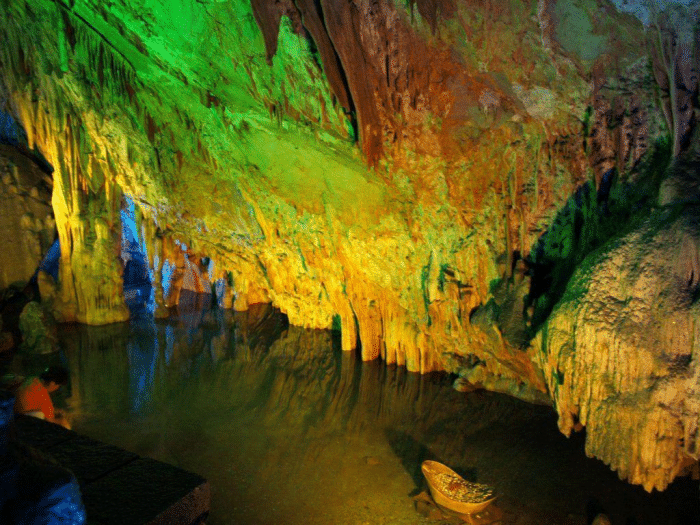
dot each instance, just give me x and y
(452, 492)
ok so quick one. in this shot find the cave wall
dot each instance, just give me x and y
(383, 167)
(26, 223)
(622, 349)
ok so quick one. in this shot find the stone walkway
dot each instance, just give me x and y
(119, 487)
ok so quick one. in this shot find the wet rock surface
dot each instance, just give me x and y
(38, 329)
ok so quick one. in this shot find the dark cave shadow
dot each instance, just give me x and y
(593, 508)
(413, 453)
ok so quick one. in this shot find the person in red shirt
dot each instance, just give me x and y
(33, 396)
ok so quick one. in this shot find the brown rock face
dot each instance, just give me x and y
(27, 225)
(427, 177)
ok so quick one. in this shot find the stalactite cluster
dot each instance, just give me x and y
(620, 346)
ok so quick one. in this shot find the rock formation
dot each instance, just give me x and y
(27, 225)
(426, 176)
(619, 350)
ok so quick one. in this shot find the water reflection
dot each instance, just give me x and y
(289, 429)
(142, 352)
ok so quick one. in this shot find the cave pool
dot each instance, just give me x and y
(290, 430)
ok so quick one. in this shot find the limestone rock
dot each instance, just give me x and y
(27, 226)
(620, 352)
(385, 179)
(38, 329)
(323, 243)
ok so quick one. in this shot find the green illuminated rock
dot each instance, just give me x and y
(38, 330)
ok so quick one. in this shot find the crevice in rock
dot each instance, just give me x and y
(307, 20)
(588, 220)
(13, 134)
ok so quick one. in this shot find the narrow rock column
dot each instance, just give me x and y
(173, 253)
(90, 274)
(156, 261)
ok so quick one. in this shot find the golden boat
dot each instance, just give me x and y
(453, 492)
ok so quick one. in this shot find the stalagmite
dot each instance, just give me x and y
(618, 349)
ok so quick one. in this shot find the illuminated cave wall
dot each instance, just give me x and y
(426, 176)
(27, 226)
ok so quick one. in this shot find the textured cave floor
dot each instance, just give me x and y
(289, 430)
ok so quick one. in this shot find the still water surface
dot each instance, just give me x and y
(290, 430)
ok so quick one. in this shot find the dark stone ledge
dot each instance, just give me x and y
(119, 487)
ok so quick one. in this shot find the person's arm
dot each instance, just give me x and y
(56, 416)
(46, 406)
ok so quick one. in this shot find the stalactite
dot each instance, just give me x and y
(84, 199)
